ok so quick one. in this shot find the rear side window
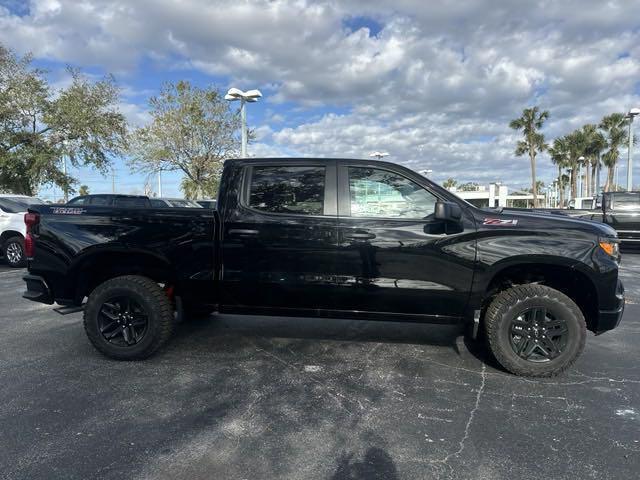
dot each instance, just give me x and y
(283, 189)
(128, 202)
(157, 203)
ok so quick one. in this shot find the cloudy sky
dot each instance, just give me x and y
(433, 83)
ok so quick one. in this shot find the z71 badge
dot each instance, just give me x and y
(500, 222)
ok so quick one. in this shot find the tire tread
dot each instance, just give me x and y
(155, 295)
(511, 297)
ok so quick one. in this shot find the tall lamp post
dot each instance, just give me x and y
(580, 182)
(632, 113)
(250, 96)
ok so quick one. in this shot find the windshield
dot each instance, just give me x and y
(18, 204)
(625, 201)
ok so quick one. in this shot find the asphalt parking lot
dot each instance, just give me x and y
(251, 398)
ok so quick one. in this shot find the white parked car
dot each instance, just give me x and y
(12, 227)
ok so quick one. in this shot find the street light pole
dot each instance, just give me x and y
(379, 155)
(249, 96)
(632, 113)
(243, 117)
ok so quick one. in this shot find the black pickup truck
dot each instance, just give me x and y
(331, 238)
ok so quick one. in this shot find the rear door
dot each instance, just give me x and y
(393, 255)
(279, 236)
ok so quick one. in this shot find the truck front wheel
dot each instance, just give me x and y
(534, 330)
(128, 317)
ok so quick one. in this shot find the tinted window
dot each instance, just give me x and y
(130, 202)
(100, 201)
(207, 203)
(157, 203)
(280, 189)
(380, 193)
(77, 201)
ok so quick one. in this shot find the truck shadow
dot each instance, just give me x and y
(209, 329)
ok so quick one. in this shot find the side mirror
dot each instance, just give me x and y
(448, 211)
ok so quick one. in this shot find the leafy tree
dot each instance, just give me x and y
(595, 143)
(615, 132)
(84, 190)
(39, 125)
(530, 122)
(192, 130)
(449, 183)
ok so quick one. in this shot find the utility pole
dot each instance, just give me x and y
(113, 181)
(632, 113)
(66, 187)
(160, 183)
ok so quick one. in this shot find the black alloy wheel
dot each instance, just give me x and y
(537, 336)
(128, 317)
(123, 321)
(534, 330)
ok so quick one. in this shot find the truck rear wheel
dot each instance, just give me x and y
(534, 330)
(128, 317)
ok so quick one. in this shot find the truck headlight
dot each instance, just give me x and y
(610, 246)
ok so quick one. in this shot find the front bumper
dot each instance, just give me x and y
(37, 290)
(610, 319)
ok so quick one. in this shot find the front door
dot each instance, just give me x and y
(279, 239)
(393, 255)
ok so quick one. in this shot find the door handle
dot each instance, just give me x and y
(243, 232)
(360, 236)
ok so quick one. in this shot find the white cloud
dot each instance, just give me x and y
(436, 85)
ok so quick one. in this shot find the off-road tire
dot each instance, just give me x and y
(156, 304)
(508, 304)
(14, 242)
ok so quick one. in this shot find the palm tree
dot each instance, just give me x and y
(530, 122)
(449, 183)
(576, 147)
(613, 127)
(595, 143)
(559, 152)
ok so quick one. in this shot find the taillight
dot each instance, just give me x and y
(30, 220)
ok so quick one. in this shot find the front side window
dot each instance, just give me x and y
(381, 193)
(293, 190)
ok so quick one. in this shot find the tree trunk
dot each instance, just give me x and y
(560, 188)
(588, 178)
(594, 176)
(574, 181)
(534, 187)
(610, 180)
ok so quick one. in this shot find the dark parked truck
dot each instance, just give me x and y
(620, 210)
(331, 238)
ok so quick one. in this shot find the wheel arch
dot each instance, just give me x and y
(564, 277)
(95, 268)
(7, 234)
